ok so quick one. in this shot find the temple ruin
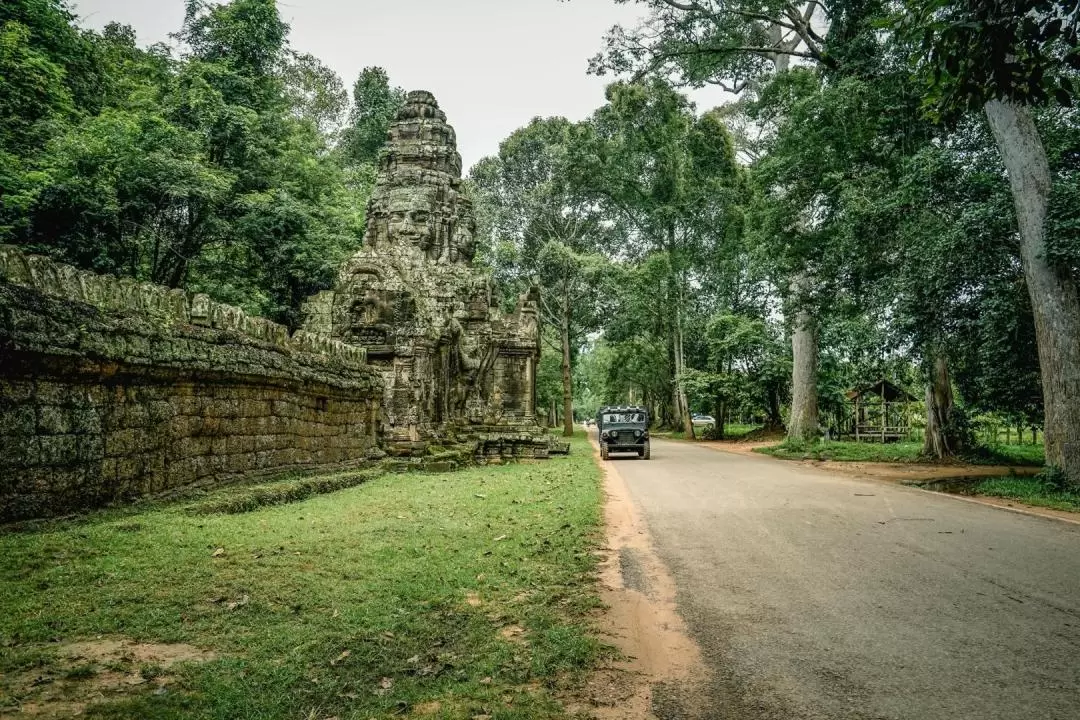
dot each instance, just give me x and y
(455, 368)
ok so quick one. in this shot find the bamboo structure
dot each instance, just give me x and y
(881, 412)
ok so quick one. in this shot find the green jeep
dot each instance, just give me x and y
(623, 429)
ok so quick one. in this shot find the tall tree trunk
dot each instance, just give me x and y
(682, 406)
(775, 420)
(1055, 300)
(803, 425)
(940, 441)
(721, 412)
(567, 379)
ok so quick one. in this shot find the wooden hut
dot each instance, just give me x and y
(881, 412)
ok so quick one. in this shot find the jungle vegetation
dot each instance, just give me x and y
(891, 192)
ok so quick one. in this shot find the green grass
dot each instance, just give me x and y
(1001, 454)
(904, 452)
(328, 596)
(732, 431)
(1030, 490)
(668, 434)
(846, 451)
(737, 431)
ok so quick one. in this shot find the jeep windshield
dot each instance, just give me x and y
(623, 418)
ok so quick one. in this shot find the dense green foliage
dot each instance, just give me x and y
(869, 193)
(225, 169)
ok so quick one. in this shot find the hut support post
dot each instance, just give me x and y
(884, 413)
(857, 439)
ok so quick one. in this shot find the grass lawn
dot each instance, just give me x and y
(1001, 454)
(445, 595)
(846, 451)
(900, 452)
(732, 431)
(737, 431)
(1030, 490)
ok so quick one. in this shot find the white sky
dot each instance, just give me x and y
(493, 65)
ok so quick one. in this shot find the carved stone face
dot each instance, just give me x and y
(410, 219)
(464, 246)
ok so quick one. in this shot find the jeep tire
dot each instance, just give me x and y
(603, 451)
(646, 451)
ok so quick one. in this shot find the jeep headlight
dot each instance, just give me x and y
(637, 433)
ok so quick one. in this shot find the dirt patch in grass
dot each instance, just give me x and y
(110, 651)
(89, 672)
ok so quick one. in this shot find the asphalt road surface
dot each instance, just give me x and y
(822, 596)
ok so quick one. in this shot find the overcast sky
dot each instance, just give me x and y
(493, 65)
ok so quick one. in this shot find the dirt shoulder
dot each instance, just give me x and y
(641, 620)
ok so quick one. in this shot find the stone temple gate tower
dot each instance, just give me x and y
(455, 368)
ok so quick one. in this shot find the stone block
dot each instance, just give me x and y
(18, 420)
(200, 310)
(18, 451)
(91, 448)
(59, 450)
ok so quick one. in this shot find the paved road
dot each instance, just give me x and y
(820, 596)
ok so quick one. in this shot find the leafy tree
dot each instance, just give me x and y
(211, 171)
(550, 233)
(375, 105)
(315, 93)
(672, 178)
(737, 45)
(1009, 57)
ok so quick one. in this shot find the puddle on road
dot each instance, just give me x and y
(955, 485)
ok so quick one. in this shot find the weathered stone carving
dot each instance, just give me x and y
(453, 365)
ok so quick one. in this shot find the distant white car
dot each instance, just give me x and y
(703, 420)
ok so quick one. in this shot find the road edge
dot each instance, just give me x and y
(644, 626)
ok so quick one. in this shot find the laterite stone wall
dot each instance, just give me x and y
(110, 390)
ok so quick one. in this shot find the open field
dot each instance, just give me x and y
(449, 595)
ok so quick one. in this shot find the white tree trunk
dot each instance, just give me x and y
(1055, 301)
(803, 423)
(682, 406)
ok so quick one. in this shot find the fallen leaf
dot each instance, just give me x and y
(218, 553)
(413, 660)
(501, 537)
(239, 603)
(388, 634)
(486, 681)
(341, 658)
(386, 683)
(482, 497)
